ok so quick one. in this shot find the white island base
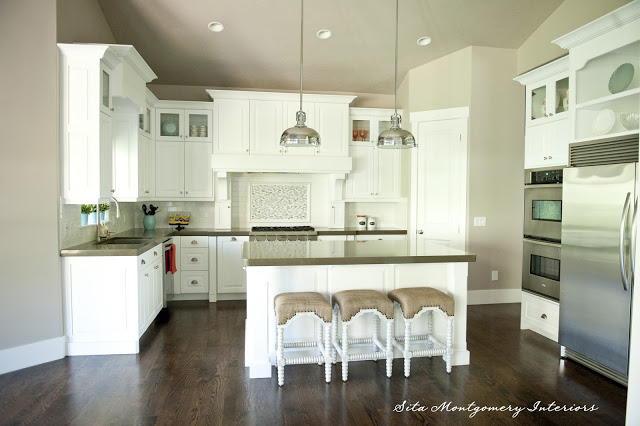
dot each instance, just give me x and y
(265, 282)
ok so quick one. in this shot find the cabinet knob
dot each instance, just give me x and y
(194, 242)
(113, 190)
(194, 282)
(112, 109)
(181, 192)
(155, 253)
(228, 207)
(543, 316)
(146, 275)
(234, 239)
(194, 259)
(420, 231)
(549, 157)
(247, 150)
(550, 114)
(157, 267)
(545, 158)
(143, 262)
(146, 192)
(186, 192)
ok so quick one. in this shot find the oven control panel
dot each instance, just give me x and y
(537, 177)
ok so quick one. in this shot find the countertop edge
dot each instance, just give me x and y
(322, 261)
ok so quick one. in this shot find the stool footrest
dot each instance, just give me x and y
(413, 338)
(304, 360)
(302, 344)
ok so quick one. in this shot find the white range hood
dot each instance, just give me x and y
(280, 164)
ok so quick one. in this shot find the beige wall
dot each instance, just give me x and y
(496, 159)
(571, 14)
(30, 289)
(82, 21)
(198, 93)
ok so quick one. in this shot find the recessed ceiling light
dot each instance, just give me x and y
(324, 34)
(216, 27)
(423, 41)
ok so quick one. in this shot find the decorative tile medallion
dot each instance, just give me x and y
(279, 202)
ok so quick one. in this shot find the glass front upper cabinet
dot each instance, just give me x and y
(549, 100)
(105, 89)
(170, 124)
(608, 94)
(198, 125)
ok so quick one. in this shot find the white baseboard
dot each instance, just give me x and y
(189, 296)
(118, 347)
(24, 356)
(489, 297)
(232, 296)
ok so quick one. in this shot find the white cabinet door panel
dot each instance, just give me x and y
(169, 169)
(125, 155)
(360, 182)
(106, 160)
(231, 126)
(332, 121)
(265, 131)
(198, 180)
(231, 275)
(387, 172)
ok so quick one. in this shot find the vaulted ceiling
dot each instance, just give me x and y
(259, 47)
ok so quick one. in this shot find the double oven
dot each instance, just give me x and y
(542, 232)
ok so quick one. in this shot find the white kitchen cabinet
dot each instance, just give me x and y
(194, 264)
(183, 170)
(198, 180)
(231, 276)
(336, 214)
(540, 315)
(106, 161)
(223, 214)
(231, 126)
(369, 123)
(547, 145)
(146, 168)
(604, 59)
(375, 174)
(265, 118)
(332, 121)
(182, 121)
(548, 102)
(110, 301)
(170, 169)
(125, 156)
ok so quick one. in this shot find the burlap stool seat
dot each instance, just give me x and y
(414, 302)
(349, 305)
(288, 307)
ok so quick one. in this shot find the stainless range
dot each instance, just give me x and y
(283, 233)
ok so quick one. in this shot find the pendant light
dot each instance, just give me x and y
(396, 137)
(300, 134)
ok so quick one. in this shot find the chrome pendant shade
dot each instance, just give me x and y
(395, 137)
(300, 134)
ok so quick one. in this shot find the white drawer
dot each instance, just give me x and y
(332, 238)
(194, 282)
(194, 259)
(194, 242)
(540, 315)
(150, 256)
(369, 237)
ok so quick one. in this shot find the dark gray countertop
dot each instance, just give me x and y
(158, 235)
(298, 253)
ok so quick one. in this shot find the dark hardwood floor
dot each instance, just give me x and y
(191, 371)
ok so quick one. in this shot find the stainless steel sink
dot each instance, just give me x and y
(125, 240)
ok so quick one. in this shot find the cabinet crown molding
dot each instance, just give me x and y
(609, 22)
(278, 96)
(545, 71)
(127, 53)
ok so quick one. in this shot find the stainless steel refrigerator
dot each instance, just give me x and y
(596, 269)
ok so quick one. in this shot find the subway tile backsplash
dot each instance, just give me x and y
(73, 233)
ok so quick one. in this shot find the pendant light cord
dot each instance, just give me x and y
(395, 77)
(301, 42)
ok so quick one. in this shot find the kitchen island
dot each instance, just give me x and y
(275, 267)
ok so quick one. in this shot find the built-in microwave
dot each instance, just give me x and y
(541, 268)
(543, 204)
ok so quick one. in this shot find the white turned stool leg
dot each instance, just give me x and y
(389, 347)
(447, 356)
(319, 338)
(280, 355)
(375, 333)
(334, 336)
(327, 351)
(345, 352)
(407, 347)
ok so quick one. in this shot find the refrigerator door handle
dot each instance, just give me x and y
(634, 234)
(623, 225)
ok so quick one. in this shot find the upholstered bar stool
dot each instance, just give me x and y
(288, 307)
(349, 305)
(414, 302)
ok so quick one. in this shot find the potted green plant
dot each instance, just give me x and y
(103, 209)
(93, 216)
(149, 220)
(85, 210)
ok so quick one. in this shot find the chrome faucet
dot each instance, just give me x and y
(101, 224)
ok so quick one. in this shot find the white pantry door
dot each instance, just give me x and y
(440, 174)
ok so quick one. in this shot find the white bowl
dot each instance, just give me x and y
(630, 120)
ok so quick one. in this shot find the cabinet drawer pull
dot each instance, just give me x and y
(146, 192)
(155, 253)
(543, 316)
(157, 267)
(194, 259)
(194, 242)
(143, 262)
(234, 239)
(194, 282)
(146, 275)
